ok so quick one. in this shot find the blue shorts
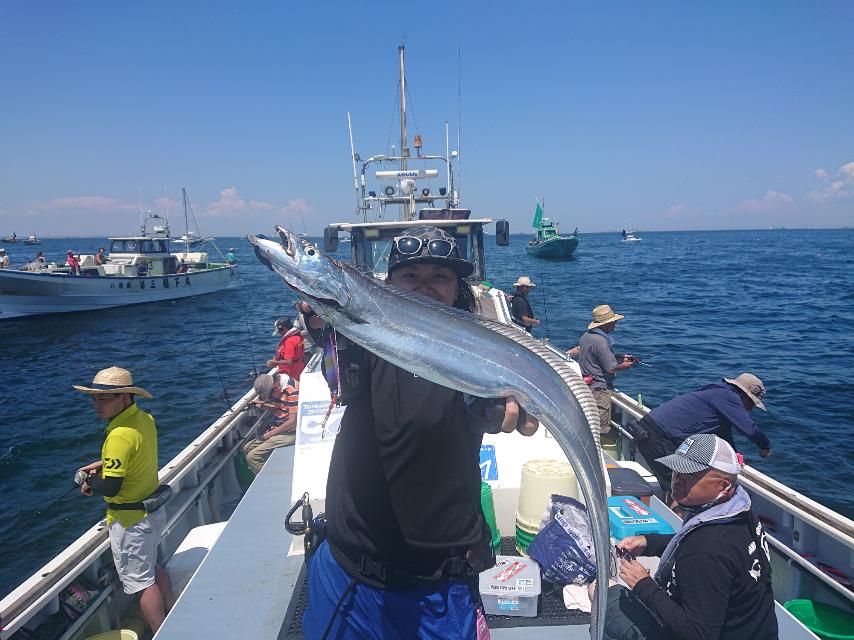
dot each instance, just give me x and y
(445, 612)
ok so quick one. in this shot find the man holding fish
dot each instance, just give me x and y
(406, 534)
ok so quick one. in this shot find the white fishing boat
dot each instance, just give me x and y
(627, 235)
(241, 574)
(139, 268)
(32, 239)
(192, 239)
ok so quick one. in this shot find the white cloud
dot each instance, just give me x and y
(676, 211)
(94, 204)
(836, 186)
(231, 204)
(230, 212)
(771, 201)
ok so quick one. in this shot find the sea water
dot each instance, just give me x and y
(698, 306)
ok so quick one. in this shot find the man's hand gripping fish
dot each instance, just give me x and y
(455, 349)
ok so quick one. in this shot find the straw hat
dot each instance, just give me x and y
(113, 380)
(603, 314)
(751, 385)
(524, 281)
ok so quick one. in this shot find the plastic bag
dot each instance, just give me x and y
(564, 546)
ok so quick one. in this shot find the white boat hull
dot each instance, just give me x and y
(26, 293)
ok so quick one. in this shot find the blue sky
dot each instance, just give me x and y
(665, 115)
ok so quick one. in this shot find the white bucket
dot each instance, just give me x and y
(540, 479)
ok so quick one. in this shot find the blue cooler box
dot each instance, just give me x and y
(628, 516)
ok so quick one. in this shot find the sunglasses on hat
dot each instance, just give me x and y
(412, 246)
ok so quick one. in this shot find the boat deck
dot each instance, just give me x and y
(249, 587)
(243, 587)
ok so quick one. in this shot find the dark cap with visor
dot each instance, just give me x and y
(282, 326)
(428, 245)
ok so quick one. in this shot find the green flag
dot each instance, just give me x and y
(538, 217)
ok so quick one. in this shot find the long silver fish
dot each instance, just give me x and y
(455, 349)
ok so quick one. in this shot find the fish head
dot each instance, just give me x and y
(314, 277)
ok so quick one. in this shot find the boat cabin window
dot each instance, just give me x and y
(138, 246)
(152, 246)
(124, 246)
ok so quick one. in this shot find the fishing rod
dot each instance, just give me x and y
(37, 514)
(637, 360)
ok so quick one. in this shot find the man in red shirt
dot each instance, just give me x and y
(73, 262)
(290, 350)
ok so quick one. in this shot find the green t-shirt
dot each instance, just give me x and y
(130, 452)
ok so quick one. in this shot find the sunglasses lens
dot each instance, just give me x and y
(408, 245)
(440, 248)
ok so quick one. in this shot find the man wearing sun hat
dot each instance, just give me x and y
(714, 577)
(520, 307)
(714, 408)
(4, 259)
(126, 475)
(598, 363)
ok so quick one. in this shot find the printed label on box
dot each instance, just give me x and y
(524, 584)
(508, 603)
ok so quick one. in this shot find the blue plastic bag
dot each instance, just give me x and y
(564, 547)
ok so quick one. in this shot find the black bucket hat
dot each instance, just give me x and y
(431, 245)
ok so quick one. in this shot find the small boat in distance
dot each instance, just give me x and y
(548, 243)
(628, 236)
(32, 239)
(191, 239)
(11, 239)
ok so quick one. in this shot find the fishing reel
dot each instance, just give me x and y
(313, 528)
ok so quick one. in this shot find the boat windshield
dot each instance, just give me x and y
(138, 246)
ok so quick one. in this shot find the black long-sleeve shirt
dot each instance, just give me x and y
(719, 587)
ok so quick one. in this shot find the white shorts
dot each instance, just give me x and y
(135, 550)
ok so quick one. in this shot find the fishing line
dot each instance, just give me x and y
(224, 395)
(248, 333)
(545, 308)
(37, 514)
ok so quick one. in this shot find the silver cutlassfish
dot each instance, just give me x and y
(455, 349)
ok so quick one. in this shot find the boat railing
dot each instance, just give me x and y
(194, 474)
(805, 522)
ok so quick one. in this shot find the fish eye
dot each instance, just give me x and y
(310, 251)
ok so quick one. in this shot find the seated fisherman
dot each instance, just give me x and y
(282, 432)
(714, 579)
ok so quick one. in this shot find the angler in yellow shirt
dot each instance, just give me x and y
(127, 474)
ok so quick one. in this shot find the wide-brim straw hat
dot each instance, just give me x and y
(751, 385)
(524, 281)
(604, 314)
(113, 380)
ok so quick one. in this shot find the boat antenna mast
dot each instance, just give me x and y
(186, 224)
(408, 207)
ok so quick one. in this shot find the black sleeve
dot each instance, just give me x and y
(107, 487)
(705, 584)
(656, 543)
